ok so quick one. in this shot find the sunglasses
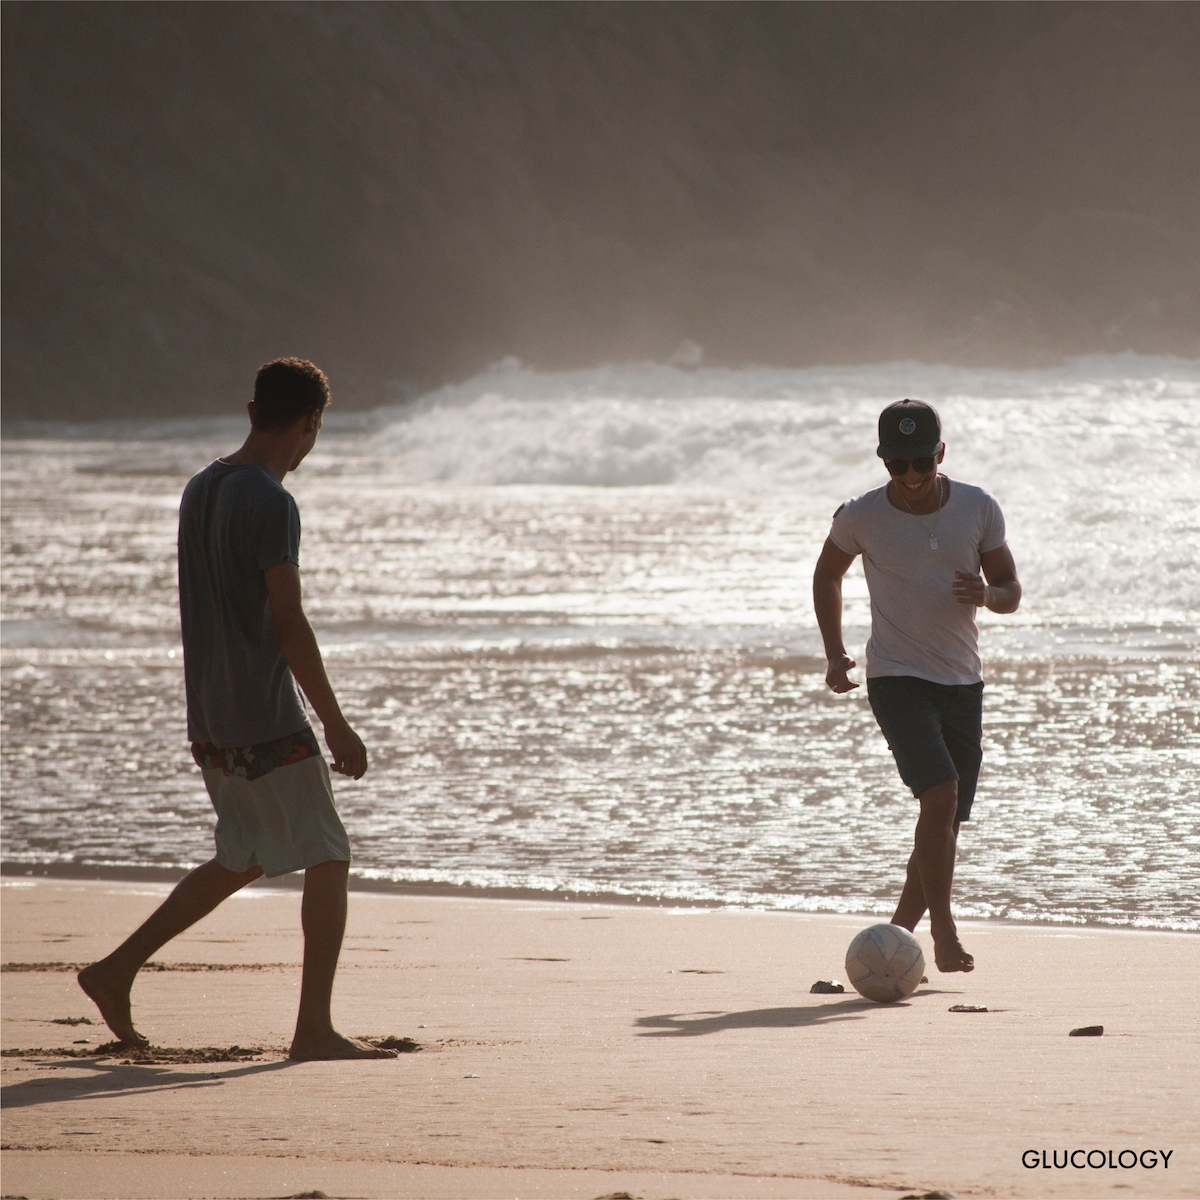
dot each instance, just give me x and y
(899, 466)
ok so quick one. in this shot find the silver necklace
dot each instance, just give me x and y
(933, 542)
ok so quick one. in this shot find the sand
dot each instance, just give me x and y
(576, 1050)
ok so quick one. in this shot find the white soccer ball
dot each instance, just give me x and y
(885, 963)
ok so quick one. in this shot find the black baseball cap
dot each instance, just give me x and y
(909, 429)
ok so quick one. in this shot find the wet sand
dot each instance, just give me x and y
(582, 1050)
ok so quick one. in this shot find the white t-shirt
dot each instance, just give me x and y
(917, 627)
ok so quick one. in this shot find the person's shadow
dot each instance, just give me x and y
(118, 1079)
(697, 1024)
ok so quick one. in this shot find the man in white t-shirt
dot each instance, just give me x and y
(933, 551)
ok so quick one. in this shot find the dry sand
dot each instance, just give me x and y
(574, 1050)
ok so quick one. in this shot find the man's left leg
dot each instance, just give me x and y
(962, 733)
(933, 856)
(323, 918)
(944, 807)
(912, 904)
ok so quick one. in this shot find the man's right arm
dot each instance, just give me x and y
(827, 601)
(303, 655)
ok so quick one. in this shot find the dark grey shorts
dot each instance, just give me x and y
(934, 731)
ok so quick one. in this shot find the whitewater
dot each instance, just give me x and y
(570, 614)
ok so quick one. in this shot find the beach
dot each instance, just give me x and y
(578, 1049)
(726, 489)
(570, 615)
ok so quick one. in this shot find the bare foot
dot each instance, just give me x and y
(950, 956)
(111, 997)
(334, 1045)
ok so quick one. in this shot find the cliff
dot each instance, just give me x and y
(406, 192)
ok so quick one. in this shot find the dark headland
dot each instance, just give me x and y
(407, 192)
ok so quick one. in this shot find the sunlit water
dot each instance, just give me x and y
(570, 614)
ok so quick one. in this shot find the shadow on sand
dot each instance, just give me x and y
(698, 1024)
(118, 1079)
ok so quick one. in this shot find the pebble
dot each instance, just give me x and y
(826, 987)
(1087, 1031)
(967, 1008)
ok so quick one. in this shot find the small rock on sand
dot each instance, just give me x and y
(1087, 1031)
(826, 987)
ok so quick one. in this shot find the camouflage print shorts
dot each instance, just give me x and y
(253, 762)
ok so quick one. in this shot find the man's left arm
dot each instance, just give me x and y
(998, 589)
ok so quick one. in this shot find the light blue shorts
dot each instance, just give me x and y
(283, 821)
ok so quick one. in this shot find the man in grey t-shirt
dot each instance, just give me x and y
(933, 551)
(246, 644)
(236, 524)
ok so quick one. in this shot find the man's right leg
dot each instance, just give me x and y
(109, 981)
(323, 917)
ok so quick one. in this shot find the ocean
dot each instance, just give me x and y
(570, 614)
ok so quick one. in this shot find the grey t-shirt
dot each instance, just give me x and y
(234, 523)
(917, 627)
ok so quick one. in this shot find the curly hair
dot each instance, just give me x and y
(286, 391)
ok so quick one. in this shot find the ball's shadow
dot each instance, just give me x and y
(697, 1024)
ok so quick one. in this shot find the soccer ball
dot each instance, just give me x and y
(885, 963)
